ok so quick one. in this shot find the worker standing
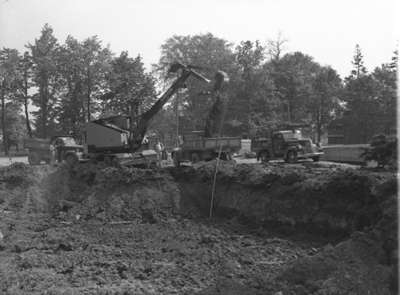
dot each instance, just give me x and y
(159, 149)
(53, 155)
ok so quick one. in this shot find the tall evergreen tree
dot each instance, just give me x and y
(370, 100)
(358, 63)
(24, 85)
(47, 78)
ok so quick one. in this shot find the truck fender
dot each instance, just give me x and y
(263, 155)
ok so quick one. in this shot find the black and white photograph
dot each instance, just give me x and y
(199, 147)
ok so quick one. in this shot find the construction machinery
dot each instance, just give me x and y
(106, 138)
(209, 144)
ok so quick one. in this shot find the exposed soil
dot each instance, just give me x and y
(103, 230)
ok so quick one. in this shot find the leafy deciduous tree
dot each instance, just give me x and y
(8, 77)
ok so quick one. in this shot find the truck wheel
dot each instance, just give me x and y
(315, 159)
(291, 157)
(33, 158)
(71, 160)
(195, 158)
(175, 159)
(108, 160)
(264, 156)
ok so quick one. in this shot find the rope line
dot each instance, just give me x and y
(225, 103)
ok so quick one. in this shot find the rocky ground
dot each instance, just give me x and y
(105, 230)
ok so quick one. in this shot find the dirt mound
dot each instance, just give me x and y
(93, 191)
(364, 264)
(21, 187)
(17, 174)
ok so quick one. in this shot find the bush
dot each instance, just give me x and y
(383, 150)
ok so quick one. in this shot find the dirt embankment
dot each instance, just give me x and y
(110, 193)
(103, 230)
(358, 206)
(318, 198)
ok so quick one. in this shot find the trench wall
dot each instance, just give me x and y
(327, 200)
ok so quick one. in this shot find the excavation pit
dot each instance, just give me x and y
(112, 230)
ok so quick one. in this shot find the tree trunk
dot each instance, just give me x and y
(3, 121)
(44, 94)
(319, 122)
(289, 111)
(44, 113)
(89, 90)
(88, 106)
(28, 124)
(176, 109)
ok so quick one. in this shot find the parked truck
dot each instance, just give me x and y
(208, 144)
(289, 145)
(195, 147)
(60, 148)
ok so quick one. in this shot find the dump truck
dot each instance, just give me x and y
(65, 148)
(289, 145)
(210, 143)
(195, 147)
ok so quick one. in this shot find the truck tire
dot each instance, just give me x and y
(263, 156)
(175, 159)
(71, 160)
(315, 159)
(108, 160)
(291, 156)
(33, 158)
(195, 158)
(228, 156)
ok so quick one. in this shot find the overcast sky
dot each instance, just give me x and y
(326, 30)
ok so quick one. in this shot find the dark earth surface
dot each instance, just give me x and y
(99, 230)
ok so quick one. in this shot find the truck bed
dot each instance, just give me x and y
(37, 144)
(213, 143)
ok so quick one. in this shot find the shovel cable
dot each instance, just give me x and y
(225, 103)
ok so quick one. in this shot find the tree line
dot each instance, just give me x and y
(68, 84)
(270, 87)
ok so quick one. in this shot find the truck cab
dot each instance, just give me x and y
(289, 145)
